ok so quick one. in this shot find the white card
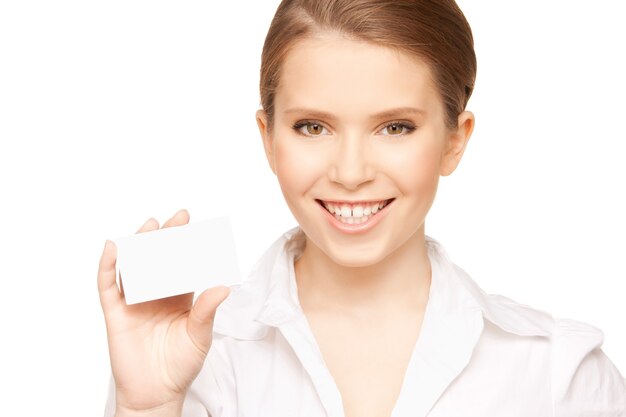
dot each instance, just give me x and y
(177, 260)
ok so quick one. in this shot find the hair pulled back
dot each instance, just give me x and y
(435, 31)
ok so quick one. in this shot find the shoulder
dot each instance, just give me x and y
(576, 338)
(585, 380)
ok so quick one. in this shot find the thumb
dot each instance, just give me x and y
(202, 315)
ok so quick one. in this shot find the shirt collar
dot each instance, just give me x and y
(268, 297)
(505, 313)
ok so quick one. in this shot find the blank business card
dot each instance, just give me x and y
(177, 260)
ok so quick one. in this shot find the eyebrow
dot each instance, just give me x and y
(391, 113)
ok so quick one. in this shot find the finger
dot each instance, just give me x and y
(107, 287)
(181, 217)
(202, 316)
(150, 224)
(122, 295)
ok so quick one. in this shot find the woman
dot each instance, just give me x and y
(356, 311)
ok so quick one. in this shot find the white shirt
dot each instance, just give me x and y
(477, 354)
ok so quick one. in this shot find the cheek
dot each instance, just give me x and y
(296, 168)
(415, 168)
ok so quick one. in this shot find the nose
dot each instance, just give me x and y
(351, 164)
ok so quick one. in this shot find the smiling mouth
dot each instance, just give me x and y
(354, 213)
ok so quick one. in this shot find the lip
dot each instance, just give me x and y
(356, 202)
(356, 228)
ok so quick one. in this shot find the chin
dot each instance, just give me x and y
(356, 257)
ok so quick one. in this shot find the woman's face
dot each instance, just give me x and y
(358, 127)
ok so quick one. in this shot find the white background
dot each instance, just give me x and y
(112, 112)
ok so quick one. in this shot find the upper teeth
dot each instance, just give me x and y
(354, 210)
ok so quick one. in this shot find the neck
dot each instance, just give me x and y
(401, 281)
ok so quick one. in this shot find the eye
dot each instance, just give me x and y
(397, 128)
(313, 128)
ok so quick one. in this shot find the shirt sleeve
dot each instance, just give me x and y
(585, 383)
(203, 399)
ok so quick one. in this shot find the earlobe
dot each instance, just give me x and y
(261, 121)
(457, 142)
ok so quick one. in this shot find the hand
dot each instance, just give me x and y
(157, 348)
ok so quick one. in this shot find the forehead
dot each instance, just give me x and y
(351, 77)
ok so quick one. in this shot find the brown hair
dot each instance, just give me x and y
(433, 30)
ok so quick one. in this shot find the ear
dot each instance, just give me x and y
(261, 121)
(456, 143)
